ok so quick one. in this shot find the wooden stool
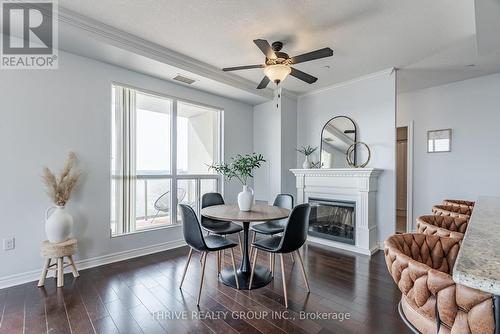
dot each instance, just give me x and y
(57, 252)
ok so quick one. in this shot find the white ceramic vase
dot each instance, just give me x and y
(58, 224)
(306, 164)
(245, 199)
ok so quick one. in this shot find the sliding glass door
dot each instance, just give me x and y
(161, 150)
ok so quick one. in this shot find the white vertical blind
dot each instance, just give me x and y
(124, 170)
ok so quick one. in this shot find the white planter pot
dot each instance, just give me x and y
(245, 199)
(306, 164)
(58, 224)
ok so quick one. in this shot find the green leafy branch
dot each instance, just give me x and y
(307, 150)
(240, 167)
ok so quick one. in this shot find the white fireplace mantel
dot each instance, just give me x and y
(344, 184)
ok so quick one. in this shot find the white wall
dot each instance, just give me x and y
(370, 102)
(44, 114)
(471, 108)
(267, 141)
(288, 145)
(275, 136)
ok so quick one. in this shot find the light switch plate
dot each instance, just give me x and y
(9, 244)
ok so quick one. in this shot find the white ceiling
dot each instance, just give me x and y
(431, 41)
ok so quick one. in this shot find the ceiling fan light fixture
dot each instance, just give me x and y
(277, 72)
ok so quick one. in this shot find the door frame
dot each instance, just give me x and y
(409, 178)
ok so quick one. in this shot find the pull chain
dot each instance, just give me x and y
(277, 96)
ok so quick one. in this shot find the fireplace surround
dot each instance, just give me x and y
(353, 225)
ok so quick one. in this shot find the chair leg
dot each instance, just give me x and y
(274, 264)
(254, 237)
(255, 251)
(234, 268)
(271, 264)
(202, 276)
(218, 262)
(46, 266)
(201, 257)
(303, 271)
(73, 266)
(239, 242)
(284, 280)
(186, 266)
(156, 215)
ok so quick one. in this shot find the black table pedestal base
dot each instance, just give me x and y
(262, 277)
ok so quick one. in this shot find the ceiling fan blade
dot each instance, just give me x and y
(236, 68)
(303, 76)
(263, 84)
(265, 47)
(321, 53)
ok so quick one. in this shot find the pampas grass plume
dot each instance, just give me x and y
(59, 188)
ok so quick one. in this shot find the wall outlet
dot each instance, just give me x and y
(9, 244)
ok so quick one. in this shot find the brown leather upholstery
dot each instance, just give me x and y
(451, 210)
(459, 202)
(421, 266)
(443, 226)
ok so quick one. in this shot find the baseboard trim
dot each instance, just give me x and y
(33, 275)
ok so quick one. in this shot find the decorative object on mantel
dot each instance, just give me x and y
(307, 151)
(352, 151)
(241, 167)
(336, 136)
(316, 164)
(439, 141)
(57, 252)
(58, 222)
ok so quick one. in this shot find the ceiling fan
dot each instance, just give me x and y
(277, 64)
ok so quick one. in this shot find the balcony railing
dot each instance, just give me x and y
(150, 187)
(188, 187)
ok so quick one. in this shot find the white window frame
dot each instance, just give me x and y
(173, 176)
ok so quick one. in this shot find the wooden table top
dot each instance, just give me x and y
(259, 213)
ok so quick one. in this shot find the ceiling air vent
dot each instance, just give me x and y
(183, 79)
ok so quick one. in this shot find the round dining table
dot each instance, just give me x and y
(258, 213)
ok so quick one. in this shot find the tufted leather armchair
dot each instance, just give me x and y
(421, 266)
(459, 202)
(443, 226)
(452, 210)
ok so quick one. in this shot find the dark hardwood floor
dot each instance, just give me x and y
(142, 296)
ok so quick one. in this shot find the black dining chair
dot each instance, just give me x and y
(213, 226)
(293, 238)
(193, 236)
(273, 227)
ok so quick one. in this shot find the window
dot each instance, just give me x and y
(145, 174)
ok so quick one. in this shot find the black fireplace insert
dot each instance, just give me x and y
(332, 219)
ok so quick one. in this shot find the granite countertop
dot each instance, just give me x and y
(478, 262)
